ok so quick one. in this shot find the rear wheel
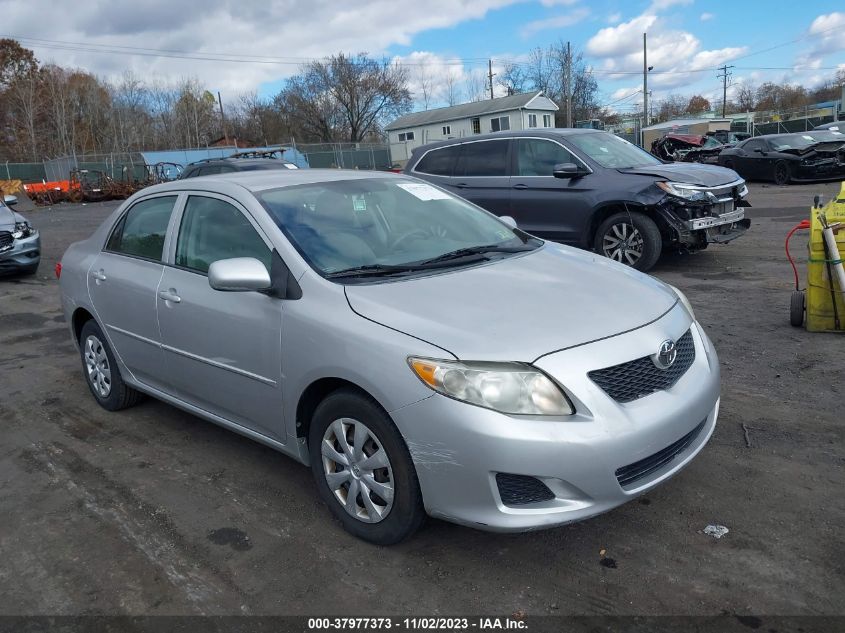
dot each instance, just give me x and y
(781, 173)
(631, 238)
(363, 469)
(101, 371)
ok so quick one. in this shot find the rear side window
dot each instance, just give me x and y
(439, 162)
(213, 229)
(141, 230)
(483, 158)
(538, 157)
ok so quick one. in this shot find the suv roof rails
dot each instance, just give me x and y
(266, 153)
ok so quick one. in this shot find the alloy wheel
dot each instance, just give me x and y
(97, 366)
(357, 470)
(623, 243)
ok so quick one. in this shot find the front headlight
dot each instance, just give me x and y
(22, 229)
(683, 299)
(684, 190)
(506, 387)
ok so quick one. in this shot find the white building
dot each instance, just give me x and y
(515, 112)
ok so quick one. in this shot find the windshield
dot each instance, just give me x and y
(609, 150)
(387, 225)
(800, 141)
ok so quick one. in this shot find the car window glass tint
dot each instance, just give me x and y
(438, 162)
(484, 158)
(141, 231)
(213, 229)
(538, 157)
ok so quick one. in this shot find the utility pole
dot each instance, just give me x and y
(645, 82)
(725, 76)
(222, 118)
(490, 75)
(568, 85)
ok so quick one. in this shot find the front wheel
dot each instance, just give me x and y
(631, 238)
(363, 469)
(782, 175)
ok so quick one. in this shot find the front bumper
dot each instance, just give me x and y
(458, 448)
(24, 253)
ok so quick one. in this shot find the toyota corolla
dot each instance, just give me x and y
(420, 354)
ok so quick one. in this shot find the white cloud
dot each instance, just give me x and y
(614, 18)
(827, 33)
(661, 5)
(622, 39)
(557, 3)
(704, 17)
(555, 22)
(279, 29)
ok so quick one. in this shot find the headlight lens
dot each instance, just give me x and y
(506, 387)
(22, 229)
(683, 299)
(684, 190)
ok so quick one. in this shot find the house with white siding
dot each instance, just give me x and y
(515, 112)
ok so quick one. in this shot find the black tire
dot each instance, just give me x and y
(29, 270)
(120, 395)
(729, 164)
(407, 513)
(781, 173)
(796, 308)
(645, 239)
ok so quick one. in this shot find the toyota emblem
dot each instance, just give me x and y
(666, 354)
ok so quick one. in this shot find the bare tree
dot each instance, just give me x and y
(475, 87)
(453, 92)
(424, 80)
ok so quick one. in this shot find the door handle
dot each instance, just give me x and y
(462, 185)
(98, 275)
(170, 295)
(520, 186)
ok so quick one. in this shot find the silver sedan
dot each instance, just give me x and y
(420, 354)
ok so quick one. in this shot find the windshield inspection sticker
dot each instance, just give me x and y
(423, 191)
(359, 204)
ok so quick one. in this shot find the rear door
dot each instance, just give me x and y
(122, 284)
(222, 349)
(482, 174)
(554, 208)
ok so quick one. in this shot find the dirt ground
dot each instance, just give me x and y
(154, 511)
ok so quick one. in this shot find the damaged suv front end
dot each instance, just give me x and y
(20, 242)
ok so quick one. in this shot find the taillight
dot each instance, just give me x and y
(58, 270)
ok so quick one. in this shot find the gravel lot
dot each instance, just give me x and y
(154, 511)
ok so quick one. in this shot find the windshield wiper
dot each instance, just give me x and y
(475, 250)
(370, 270)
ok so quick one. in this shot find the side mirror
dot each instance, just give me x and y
(568, 170)
(508, 220)
(10, 200)
(239, 274)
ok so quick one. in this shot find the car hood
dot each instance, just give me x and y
(695, 174)
(518, 308)
(823, 147)
(7, 218)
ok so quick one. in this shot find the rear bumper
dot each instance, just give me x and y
(23, 254)
(458, 449)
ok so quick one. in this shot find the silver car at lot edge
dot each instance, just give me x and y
(420, 354)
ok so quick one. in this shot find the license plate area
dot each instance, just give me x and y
(727, 215)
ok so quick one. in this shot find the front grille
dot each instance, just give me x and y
(520, 490)
(637, 378)
(631, 473)
(5, 239)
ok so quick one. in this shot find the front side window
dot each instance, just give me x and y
(538, 157)
(483, 158)
(213, 229)
(608, 150)
(500, 123)
(141, 230)
(532, 120)
(439, 162)
(390, 226)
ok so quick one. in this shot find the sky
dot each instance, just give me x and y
(243, 46)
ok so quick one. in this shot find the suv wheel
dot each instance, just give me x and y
(363, 469)
(630, 238)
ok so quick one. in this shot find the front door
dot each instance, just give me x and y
(554, 208)
(222, 350)
(122, 284)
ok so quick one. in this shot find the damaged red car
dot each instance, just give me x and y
(688, 148)
(784, 158)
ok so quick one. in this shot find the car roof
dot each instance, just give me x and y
(548, 132)
(261, 180)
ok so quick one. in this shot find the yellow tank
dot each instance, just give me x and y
(819, 302)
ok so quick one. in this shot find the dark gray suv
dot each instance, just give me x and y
(590, 189)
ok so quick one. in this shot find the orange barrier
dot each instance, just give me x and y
(44, 187)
